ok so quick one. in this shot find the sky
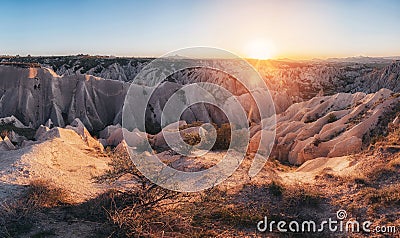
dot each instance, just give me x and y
(298, 29)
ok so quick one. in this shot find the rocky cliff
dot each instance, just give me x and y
(296, 80)
(348, 106)
(35, 95)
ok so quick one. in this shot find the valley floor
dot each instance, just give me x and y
(65, 188)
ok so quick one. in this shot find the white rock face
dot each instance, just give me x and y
(14, 137)
(40, 131)
(300, 80)
(388, 77)
(36, 95)
(55, 132)
(6, 144)
(348, 146)
(115, 135)
(43, 98)
(331, 126)
(69, 132)
(304, 80)
(134, 138)
(108, 131)
(49, 123)
(77, 126)
(322, 126)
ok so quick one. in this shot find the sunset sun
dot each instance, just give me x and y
(259, 49)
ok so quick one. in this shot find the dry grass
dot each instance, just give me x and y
(276, 189)
(373, 193)
(140, 211)
(18, 216)
(41, 193)
(150, 211)
(388, 196)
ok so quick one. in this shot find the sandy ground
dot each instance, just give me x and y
(308, 172)
(66, 161)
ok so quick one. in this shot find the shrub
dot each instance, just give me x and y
(41, 193)
(317, 141)
(386, 196)
(331, 118)
(135, 210)
(275, 189)
(310, 119)
(192, 138)
(300, 197)
(223, 137)
(5, 129)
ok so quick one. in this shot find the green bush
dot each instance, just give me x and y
(222, 137)
(192, 138)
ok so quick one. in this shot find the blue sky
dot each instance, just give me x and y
(293, 28)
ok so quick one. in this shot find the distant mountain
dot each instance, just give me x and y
(364, 59)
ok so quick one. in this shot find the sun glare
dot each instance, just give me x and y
(259, 49)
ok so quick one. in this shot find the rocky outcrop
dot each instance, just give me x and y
(16, 138)
(81, 130)
(323, 126)
(289, 81)
(332, 126)
(6, 144)
(35, 95)
(388, 77)
(62, 157)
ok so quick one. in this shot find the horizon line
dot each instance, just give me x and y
(154, 57)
